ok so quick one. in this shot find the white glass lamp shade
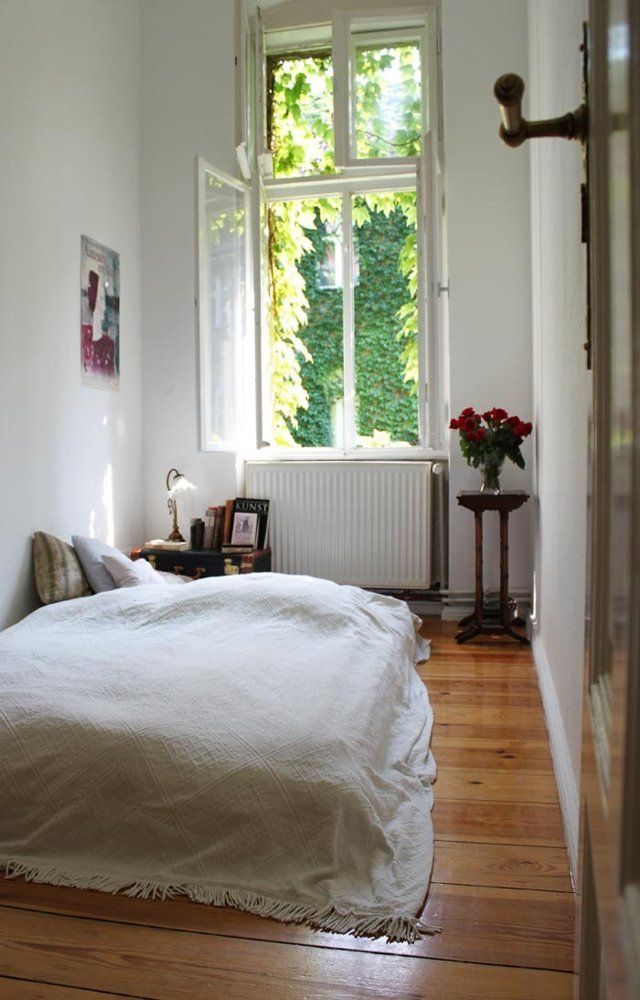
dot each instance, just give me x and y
(180, 487)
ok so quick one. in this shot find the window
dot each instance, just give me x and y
(344, 232)
(222, 296)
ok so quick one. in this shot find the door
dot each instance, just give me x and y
(609, 890)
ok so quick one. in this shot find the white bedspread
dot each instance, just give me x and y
(258, 741)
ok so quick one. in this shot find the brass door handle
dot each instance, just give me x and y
(515, 129)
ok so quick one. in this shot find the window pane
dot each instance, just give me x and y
(306, 353)
(386, 319)
(300, 118)
(223, 293)
(388, 102)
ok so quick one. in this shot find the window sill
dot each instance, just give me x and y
(336, 455)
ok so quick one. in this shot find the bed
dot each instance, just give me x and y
(259, 741)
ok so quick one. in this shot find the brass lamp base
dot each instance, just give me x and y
(175, 536)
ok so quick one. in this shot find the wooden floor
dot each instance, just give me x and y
(500, 891)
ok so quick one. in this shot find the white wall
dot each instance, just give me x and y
(187, 110)
(69, 143)
(561, 389)
(488, 225)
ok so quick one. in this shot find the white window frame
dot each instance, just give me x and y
(422, 174)
(344, 43)
(244, 372)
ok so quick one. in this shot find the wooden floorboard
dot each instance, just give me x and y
(507, 755)
(162, 963)
(501, 890)
(494, 785)
(477, 822)
(22, 989)
(481, 670)
(492, 691)
(503, 866)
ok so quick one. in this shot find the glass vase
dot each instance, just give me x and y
(490, 471)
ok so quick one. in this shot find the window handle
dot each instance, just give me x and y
(515, 129)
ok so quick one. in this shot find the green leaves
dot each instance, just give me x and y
(301, 115)
(305, 321)
(388, 87)
(361, 214)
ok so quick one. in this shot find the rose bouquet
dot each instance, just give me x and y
(486, 439)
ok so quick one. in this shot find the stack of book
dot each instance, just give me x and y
(213, 528)
(163, 543)
(237, 526)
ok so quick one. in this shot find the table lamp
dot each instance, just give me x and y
(177, 485)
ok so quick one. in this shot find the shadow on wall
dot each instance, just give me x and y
(80, 493)
(23, 597)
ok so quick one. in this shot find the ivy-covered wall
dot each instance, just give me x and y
(385, 401)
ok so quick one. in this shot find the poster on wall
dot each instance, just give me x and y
(100, 314)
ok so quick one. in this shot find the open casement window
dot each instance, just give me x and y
(348, 192)
(227, 363)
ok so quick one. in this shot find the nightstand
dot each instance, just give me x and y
(485, 621)
(199, 563)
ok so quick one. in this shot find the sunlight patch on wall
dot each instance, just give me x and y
(107, 500)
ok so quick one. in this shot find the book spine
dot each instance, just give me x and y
(199, 534)
(208, 529)
(195, 532)
(228, 521)
(263, 538)
(218, 525)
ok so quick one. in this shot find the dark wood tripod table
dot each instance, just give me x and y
(486, 621)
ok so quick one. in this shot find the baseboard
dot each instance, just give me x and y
(425, 609)
(565, 778)
(458, 603)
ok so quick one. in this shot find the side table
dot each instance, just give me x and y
(483, 621)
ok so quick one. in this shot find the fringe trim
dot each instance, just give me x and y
(372, 925)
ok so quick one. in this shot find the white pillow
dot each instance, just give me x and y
(127, 573)
(90, 552)
(172, 578)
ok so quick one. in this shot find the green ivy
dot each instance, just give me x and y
(305, 323)
(385, 398)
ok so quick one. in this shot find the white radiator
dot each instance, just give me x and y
(365, 523)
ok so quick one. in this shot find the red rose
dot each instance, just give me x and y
(472, 436)
(468, 425)
(499, 413)
(521, 429)
(468, 412)
(514, 421)
(488, 415)
(454, 425)
(481, 434)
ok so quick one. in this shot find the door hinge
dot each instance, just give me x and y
(584, 204)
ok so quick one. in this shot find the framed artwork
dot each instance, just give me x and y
(245, 529)
(99, 315)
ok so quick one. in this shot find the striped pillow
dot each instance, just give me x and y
(58, 573)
